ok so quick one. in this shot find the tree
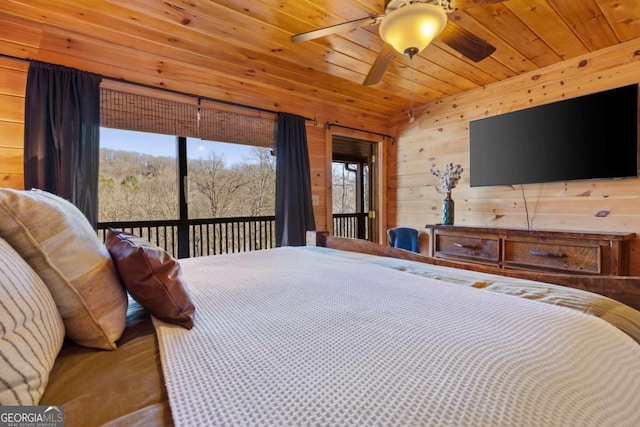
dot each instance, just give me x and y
(139, 187)
(261, 179)
(216, 184)
(344, 188)
(136, 187)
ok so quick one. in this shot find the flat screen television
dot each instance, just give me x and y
(589, 137)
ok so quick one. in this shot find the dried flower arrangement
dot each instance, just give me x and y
(449, 177)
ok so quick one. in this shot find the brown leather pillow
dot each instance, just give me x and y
(152, 277)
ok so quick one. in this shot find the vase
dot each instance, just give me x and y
(447, 210)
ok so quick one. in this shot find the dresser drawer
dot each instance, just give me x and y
(567, 252)
(480, 249)
(554, 256)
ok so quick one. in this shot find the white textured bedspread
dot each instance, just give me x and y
(289, 337)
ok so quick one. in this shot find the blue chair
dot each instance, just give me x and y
(403, 238)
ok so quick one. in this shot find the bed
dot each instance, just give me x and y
(343, 334)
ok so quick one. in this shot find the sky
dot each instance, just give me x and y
(165, 145)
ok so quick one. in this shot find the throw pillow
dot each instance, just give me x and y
(58, 242)
(152, 277)
(31, 331)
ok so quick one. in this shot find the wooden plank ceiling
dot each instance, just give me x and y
(232, 49)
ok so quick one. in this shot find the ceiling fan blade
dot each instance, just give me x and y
(465, 42)
(333, 29)
(465, 4)
(380, 65)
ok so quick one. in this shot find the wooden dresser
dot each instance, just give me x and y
(569, 252)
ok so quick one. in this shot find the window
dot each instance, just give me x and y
(137, 180)
(230, 180)
(229, 203)
(350, 192)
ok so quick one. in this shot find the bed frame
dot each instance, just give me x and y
(625, 289)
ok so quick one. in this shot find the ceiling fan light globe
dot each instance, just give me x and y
(413, 26)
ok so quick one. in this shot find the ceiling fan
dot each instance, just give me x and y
(408, 26)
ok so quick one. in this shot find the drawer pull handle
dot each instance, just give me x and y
(465, 245)
(548, 254)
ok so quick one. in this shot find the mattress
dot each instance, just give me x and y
(293, 336)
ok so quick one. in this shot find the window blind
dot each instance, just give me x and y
(185, 116)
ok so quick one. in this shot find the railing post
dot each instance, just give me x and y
(362, 231)
(183, 226)
(183, 241)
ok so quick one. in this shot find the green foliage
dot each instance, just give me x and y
(129, 180)
(105, 182)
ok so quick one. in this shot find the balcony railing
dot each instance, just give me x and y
(213, 236)
(199, 237)
(353, 225)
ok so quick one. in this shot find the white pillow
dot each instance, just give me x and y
(31, 331)
(57, 241)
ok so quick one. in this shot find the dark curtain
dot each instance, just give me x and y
(294, 211)
(61, 137)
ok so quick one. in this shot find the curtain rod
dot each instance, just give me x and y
(330, 125)
(176, 92)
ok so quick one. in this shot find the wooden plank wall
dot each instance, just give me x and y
(13, 79)
(440, 134)
(319, 173)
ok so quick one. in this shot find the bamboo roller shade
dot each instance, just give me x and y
(131, 111)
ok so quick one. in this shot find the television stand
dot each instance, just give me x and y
(570, 252)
